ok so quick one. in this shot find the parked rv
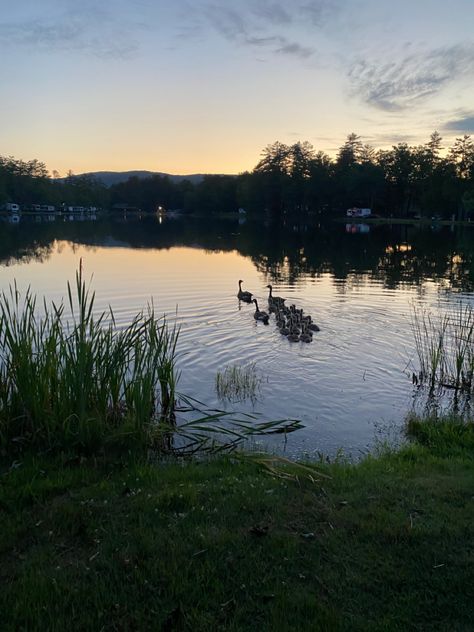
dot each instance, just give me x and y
(42, 208)
(359, 212)
(11, 207)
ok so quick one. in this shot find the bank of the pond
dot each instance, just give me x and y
(422, 221)
(385, 544)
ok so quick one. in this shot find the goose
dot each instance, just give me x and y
(281, 322)
(275, 300)
(259, 315)
(306, 335)
(313, 327)
(293, 337)
(242, 295)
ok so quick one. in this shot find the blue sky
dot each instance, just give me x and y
(202, 86)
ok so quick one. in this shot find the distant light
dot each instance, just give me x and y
(398, 248)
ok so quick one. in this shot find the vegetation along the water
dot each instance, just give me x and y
(405, 181)
(239, 382)
(444, 346)
(77, 381)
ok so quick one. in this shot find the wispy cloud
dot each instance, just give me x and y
(295, 49)
(465, 124)
(319, 11)
(228, 22)
(401, 84)
(273, 13)
(92, 31)
(271, 25)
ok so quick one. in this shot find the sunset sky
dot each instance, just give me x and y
(202, 86)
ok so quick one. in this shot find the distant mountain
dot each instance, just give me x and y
(109, 178)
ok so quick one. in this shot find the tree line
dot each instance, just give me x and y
(293, 179)
(29, 182)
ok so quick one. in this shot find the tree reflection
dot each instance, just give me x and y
(283, 251)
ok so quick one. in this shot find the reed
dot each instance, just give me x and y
(215, 431)
(82, 382)
(445, 347)
(238, 382)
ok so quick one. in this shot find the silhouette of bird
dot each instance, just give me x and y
(243, 295)
(260, 315)
(277, 301)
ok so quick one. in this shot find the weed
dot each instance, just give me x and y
(445, 347)
(238, 383)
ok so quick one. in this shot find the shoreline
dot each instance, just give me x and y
(229, 543)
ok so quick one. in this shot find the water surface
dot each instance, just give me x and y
(349, 387)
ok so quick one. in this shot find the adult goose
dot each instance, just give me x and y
(274, 300)
(259, 315)
(242, 295)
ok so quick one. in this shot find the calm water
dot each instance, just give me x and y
(350, 387)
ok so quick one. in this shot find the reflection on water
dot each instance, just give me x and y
(357, 228)
(358, 286)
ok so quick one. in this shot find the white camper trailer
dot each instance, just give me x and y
(359, 212)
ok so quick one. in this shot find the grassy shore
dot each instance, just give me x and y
(386, 544)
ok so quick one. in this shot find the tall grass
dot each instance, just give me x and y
(238, 382)
(445, 347)
(81, 382)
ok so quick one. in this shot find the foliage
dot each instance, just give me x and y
(288, 179)
(29, 183)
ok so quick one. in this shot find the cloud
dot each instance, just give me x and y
(293, 48)
(92, 31)
(465, 124)
(273, 14)
(265, 41)
(269, 25)
(398, 85)
(319, 11)
(228, 22)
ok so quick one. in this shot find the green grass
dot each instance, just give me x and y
(452, 434)
(221, 544)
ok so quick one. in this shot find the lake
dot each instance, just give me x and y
(351, 387)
